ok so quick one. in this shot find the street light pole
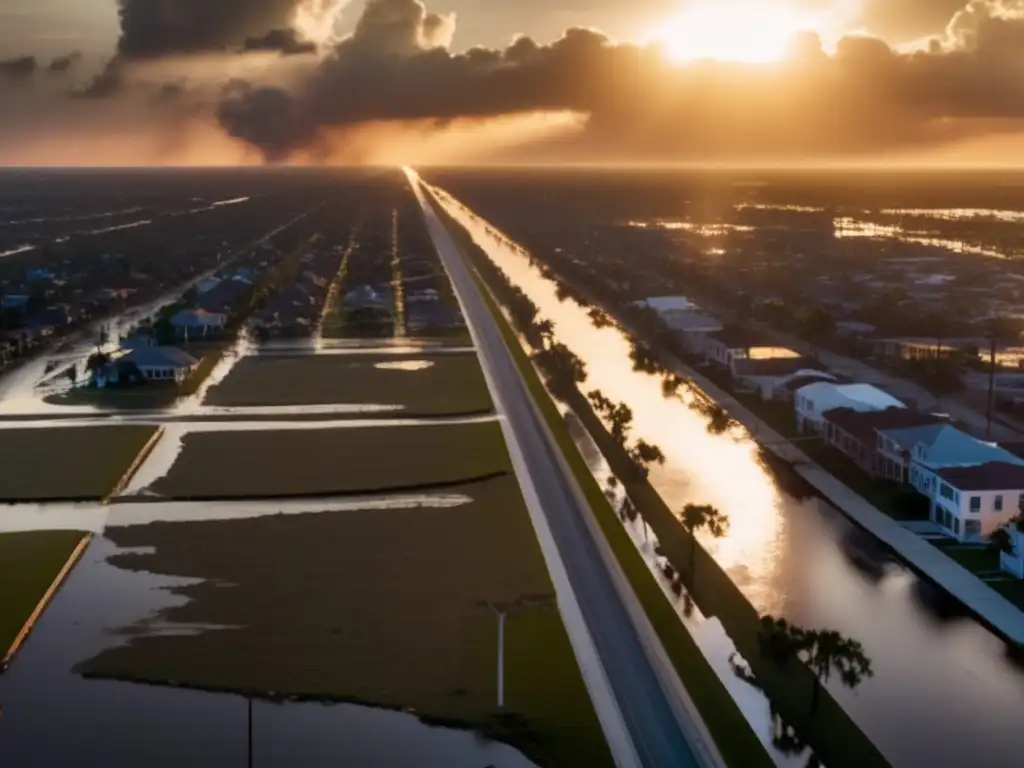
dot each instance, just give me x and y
(501, 660)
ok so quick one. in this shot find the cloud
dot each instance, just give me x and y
(396, 76)
(169, 27)
(19, 69)
(283, 41)
(64, 64)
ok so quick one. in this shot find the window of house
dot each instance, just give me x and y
(975, 503)
(972, 527)
(997, 503)
(956, 525)
(1020, 501)
(946, 492)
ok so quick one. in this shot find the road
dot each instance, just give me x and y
(661, 725)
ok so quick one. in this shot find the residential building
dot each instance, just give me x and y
(161, 363)
(852, 329)
(943, 445)
(860, 435)
(769, 376)
(914, 348)
(972, 502)
(1013, 561)
(734, 343)
(814, 400)
(198, 323)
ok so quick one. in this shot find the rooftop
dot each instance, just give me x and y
(862, 425)
(947, 446)
(859, 397)
(991, 476)
(735, 337)
(160, 357)
(773, 366)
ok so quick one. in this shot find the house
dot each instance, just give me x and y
(734, 343)
(787, 391)
(972, 502)
(814, 400)
(860, 436)
(768, 376)
(661, 304)
(1013, 561)
(14, 301)
(852, 329)
(223, 298)
(913, 348)
(207, 284)
(943, 445)
(161, 363)
(368, 297)
(194, 323)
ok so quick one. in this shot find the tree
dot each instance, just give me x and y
(824, 651)
(73, 374)
(693, 518)
(670, 385)
(96, 361)
(545, 331)
(1002, 540)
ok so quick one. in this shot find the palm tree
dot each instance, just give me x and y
(697, 516)
(823, 651)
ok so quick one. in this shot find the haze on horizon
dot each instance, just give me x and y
(751, 82)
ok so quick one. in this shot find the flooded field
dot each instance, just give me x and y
(799, 558)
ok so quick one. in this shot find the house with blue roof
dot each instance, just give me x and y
(972, 486)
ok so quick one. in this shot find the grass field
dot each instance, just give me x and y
(29, 562)
(451, 383)
(380, 607)
(67, 463)
(333, 461)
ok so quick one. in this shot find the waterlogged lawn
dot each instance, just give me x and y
(421, 384)
(29, 562)
(375, 606)
(67, 463)
(333, 461)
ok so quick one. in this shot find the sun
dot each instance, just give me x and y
(749, 31)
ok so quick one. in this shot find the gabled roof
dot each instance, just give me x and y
(990, 476)
(734, 337)
(859, 397)
(947, 446)
(773, 366)
(159, 357)
(863, 425)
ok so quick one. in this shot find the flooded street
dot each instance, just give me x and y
(802, 560)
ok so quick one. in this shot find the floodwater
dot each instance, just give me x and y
(944, 690)
(54, 717)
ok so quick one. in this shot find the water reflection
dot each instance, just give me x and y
(853, 228)
(786, 555)
(118, 724)
(405, 365)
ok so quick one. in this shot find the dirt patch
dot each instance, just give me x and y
(374, 606)
(67, 463)
(279, 463)
(451, 383)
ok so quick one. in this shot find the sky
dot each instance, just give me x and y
(214, 82)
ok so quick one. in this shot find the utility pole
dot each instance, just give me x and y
(502, 610)
(250, 732)
(991, 386)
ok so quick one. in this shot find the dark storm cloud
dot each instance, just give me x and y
(864, 96)
(153, 28)
(283, 41)
(19, 69)
(64, 64)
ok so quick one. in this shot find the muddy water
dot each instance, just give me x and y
(944, 691)
(53, 717)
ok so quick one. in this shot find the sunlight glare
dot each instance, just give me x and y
(747, 31)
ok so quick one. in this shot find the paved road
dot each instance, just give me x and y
(656, 722)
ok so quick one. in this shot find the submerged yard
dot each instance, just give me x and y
(67, 463)
(29, 562)
(421, 384)
(383, 607)
(333, 461)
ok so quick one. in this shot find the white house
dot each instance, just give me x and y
(198, 322)
(812, 401)
(161, 363)
(769, 376)
(972, 502)
(1013, 561)
(207, 284)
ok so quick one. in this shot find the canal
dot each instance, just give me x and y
(944, 692)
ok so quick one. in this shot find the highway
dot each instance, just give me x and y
(663, 730)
